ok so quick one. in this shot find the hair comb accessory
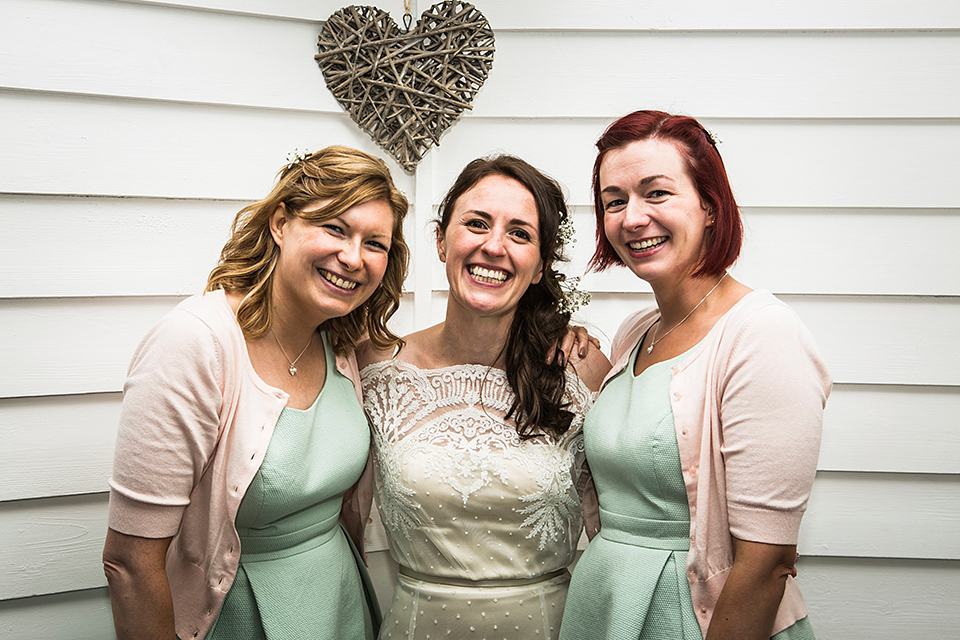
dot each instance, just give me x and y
(712, 137)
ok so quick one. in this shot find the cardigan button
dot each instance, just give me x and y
(676, 395)
(683, 432)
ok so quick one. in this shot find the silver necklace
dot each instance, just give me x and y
(293, 369)
(657, 337)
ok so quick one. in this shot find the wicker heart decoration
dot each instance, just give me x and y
(406, 88)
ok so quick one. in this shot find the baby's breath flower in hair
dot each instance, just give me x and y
(573, 298)
(566, 234)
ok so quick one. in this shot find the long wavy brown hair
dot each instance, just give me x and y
(534, 364)
(343, 178)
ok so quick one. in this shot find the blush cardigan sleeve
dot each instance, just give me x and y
(772, 393)
(169, 419)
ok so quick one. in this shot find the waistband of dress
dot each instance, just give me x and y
(669, 535)
(459, 582)
(257, 545)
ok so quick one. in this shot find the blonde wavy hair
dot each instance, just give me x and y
(345, 177)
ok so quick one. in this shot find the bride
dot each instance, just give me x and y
(477, 422)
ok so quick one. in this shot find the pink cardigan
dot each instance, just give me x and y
(194, 426)
(748, 406)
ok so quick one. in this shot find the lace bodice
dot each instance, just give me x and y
(459, 493)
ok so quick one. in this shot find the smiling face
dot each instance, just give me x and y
(652, 214)
(328, 268)
(491, 246)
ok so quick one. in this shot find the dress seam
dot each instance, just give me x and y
(412, 629)
(543, 613)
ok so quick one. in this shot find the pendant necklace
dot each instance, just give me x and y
(293, 369)
(657, 338)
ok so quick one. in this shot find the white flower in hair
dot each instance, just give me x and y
(296, 156)
(573, 298)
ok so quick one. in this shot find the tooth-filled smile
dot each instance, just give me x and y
(337, 280)
(490, 276)
(647, 243)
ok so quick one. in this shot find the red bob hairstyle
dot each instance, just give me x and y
(705, 168)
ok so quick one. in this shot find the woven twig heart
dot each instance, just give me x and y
(406, 88)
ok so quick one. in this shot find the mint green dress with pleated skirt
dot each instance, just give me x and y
(298, 576)
(631, 583)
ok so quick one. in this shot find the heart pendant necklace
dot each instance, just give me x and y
(292, 369)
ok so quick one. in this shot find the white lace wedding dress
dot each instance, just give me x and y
(482, 524)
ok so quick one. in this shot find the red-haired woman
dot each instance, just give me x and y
(703, 443)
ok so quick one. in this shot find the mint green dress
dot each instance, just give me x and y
(298, 576)
(631, 583)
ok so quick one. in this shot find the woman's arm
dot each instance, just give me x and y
(167, 434)
(139, 591)
(771, 414)
(751, 595)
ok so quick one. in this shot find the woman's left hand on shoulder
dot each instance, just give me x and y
(582, 351)
(576, 344)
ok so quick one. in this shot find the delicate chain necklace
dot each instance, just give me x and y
(293, 369)
(657, 337)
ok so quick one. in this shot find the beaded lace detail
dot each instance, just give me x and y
(446, 428)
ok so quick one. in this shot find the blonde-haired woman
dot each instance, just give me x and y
(227, 487)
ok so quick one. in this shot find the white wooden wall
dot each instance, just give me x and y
(131, 131)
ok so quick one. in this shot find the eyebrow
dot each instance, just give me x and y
(488, 217)
(349, 226)
(642, 183)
